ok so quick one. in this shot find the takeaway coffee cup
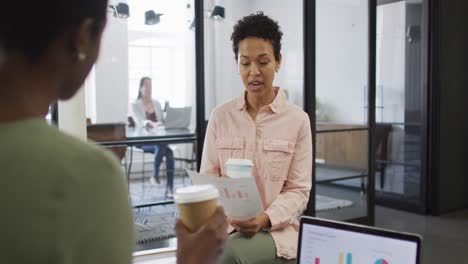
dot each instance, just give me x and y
(239, 168)
(196, 204)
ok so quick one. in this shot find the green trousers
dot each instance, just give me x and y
(260, 248)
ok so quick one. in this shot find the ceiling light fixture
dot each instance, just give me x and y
(151, 18)
(217, 13)
(121, 10)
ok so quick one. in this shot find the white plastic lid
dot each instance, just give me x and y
(196, 193)
(240, 162)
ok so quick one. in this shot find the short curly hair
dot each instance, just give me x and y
(260, 26)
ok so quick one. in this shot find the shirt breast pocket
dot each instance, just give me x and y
(229, 148)
(278, 156)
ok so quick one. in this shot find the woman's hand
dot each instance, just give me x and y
(205, 245)
(252, 226)
(150, 124)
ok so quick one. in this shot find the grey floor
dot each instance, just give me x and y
(445, 238)
(357, 210)
(166, 243)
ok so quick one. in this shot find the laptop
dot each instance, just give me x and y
(178, 118)
(324, 241)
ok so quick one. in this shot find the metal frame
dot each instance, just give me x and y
(309, 88)
(200, 79)
(134, 142)
(426, 147)
(372, 64)
(384, 2)
(165, 202)
(309, 100)
(432, 117)
(341, 130)
(352, 177)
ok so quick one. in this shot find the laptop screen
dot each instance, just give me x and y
(178, 118)
(323, 245)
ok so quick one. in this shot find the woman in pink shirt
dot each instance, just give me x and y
(262, 126)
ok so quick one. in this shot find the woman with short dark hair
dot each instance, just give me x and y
(262, 126)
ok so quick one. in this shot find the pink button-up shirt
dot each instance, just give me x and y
(279, 143)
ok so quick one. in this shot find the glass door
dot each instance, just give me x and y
(343, 85)
(401, 101)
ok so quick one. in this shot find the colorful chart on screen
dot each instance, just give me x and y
(382, 261)
(324, 245)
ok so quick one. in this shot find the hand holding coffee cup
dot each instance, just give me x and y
(205, 245)
(196, 204)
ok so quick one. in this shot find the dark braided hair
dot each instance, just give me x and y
(30, 26)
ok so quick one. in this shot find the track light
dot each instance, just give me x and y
(217, 13)
(121, 10)
(151, 18)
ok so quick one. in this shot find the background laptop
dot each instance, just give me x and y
(177, 118)
(323, 242)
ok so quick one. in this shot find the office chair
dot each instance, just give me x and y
(190, 162)
(382, 132)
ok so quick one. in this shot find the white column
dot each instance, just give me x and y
(72, 115)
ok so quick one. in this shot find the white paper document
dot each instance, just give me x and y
(239, 197)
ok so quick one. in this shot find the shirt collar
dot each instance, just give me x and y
(276, 106)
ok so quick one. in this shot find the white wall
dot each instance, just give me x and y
(111, 74)
(90, 95)
(173, 66)
(71, 115)
(108, 88)
(222, 79)
(209, 59)
(289, 15)
(342, 58)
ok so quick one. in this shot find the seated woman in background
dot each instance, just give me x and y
(262, 126)
(148, 112)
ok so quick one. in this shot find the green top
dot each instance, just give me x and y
(61, 200)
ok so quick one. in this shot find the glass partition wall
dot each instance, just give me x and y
(401, 104)
(335, 78)
(187, 53)
(343, 118)
(155, 144)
